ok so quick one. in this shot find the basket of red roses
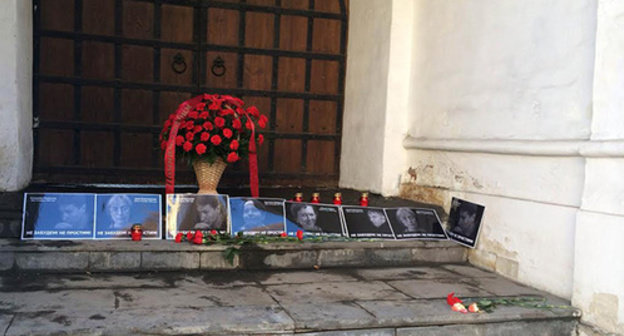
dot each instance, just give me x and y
(208, 132)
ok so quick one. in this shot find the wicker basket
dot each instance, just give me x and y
(208, 175)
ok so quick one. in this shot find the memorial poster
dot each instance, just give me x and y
(415, 223)
(366, 222)
(313, 219)
(116, 213)
(464, 222)
(257, 215)
(192, 212)
(58, 216)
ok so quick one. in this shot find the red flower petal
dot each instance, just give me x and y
(260, 139)
(216, 140)
(189, 136)
(234, 145)
(283, 234)
(253, 111)
(299, 234)
(179, 140)
(193, 115)
(232, 157)
(205, 136)
(208, 126)
(200, 149)
(187, 146)
(219, 122)
(236, 124)
(227, 133)
(204, 115)
(178, 237)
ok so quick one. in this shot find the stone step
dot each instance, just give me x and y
(161, 255)
(324, 302)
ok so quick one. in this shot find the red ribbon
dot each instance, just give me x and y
(180, 114)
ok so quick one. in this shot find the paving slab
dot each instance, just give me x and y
(328, 316)
(26, 282)
(534, 328)
(300, 277)
(503, 287)
(360, 332)
(438, 288)
(405, 273)
(334, 291)
(469, 271)
(79, 300)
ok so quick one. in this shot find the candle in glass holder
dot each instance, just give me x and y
(316, 198)
(364, 199)
(338, 198)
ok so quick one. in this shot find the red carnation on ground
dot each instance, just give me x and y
(187, 146)
(200, 149)
(227, 133)
(219, 122)
(189, 236)
(232, 157)
(199, 238)
(260, 139)
(216, 140)
(205, 136)
(208, 125)
(179, 140)
(178, 238)
(213, 232)
(237, 124)
(283, 234)
(299, 234)
(234, 145)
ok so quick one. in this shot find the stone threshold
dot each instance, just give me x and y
(163, 255)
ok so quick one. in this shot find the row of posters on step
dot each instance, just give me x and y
(110, 216)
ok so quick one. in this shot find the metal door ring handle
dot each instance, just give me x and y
(218, 67)
(179, 64)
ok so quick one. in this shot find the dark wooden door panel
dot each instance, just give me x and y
(109, 72)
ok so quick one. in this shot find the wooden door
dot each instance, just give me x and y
(108, 72)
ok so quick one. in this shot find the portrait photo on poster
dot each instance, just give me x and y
(313, 219)
(464, 222)
(116, 213)
(58, 216)
(257, 215)
(415, 223)
(192, 212)
(366, 222)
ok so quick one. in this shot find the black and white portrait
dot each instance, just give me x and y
(191, 212)
(464, 221)
(257, 215)
(366, 222)
(416, 223)
(316, 219)
(58, 216)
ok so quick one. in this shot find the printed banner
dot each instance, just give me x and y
(366, 222)
(464, 222)
(116, 213)
(415, 223)
(257, 215)
(191, 212)
(58, 216)
(313, 219)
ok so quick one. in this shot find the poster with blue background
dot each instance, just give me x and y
(116, 213)
(58, 216)
(257, 215)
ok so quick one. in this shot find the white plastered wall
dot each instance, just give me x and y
(376, 95)
(599, 252)
(16, 145)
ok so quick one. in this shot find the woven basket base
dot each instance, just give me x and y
(208, 175)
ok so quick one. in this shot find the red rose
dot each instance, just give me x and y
(299, 234)
(204, 115)
(236, 124)
(234, 145)
(189, 236)
(205, 136)
(189, 136)
(262, 121)
(283, 234)
(179, 140)
(178, 238)
(260, 139)
(227, 133)
(232, 157)
(187, 146)
(219, 122)
(193, 115)
(208, 125)
(213, 232)
(200, 149)
(253, 111)
(216, 140)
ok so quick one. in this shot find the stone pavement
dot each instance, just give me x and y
(324, 302)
